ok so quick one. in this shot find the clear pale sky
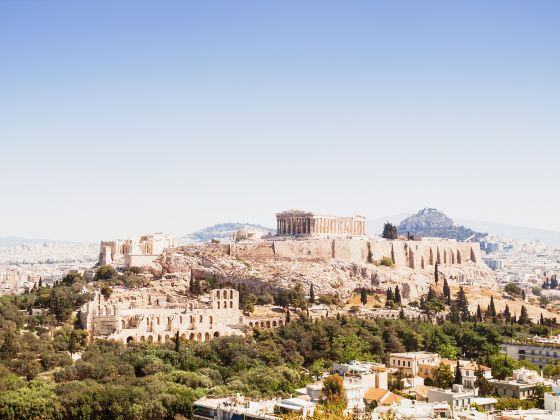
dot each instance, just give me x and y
(124, 117)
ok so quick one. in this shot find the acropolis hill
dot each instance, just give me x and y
(332, 253)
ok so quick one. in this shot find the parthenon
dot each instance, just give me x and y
(302, 223)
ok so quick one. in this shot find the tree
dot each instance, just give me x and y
(463, 305)
(483, 385)
(402, 314)
(436, 273)
(72, 343)
(524, 316)
(369, 254)
(478, 313)
(311, 294)
(106, 291)
(398, 298)
(346, 348)
(491, 310)
(288, 318)
(389, 295)
(443, 376)
(333, 391)
(446, 292)
(363, 296)
(105, 272)
(513, 289)
(177, 342)
(317, 368)
(448, 351)
(507, 314)
(458, 375)
(389, 231)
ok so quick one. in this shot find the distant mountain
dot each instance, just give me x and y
(432, 222)
(515, 232)
(10, 241)
(220, 231)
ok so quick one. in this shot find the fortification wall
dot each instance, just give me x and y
(316, 250)
(413, 254)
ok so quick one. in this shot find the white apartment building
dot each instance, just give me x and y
(409, 362)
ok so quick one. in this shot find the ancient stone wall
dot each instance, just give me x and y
(413, 254)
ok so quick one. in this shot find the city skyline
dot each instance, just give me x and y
(120, 119)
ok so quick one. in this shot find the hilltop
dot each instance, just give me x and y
(430, 222)
(221, 231)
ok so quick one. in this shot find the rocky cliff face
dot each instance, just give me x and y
(431, 222)
(335, 276)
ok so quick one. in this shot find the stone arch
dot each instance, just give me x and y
(452, 254)
(217, 294)
(218, 304)
(123, 324)
(411, 262)
(142, 339)
(444, 256)
(250, 324)
(157, 320)
(166, 338)
(267, 324)
(458, 257)
(130, 339)
(199, 337)
(181, 319)
(224, 294)
(438, 258)
(207, 336)
(431, 256)
(216, 334)
(191, 337)
(274, 324)
(231, 294)
(422, 262)
(231, 304)
(150, 339)
(192, 319)
(211, 320)
(159, 338)
(225, 304)
(200, 318)
(191, 307)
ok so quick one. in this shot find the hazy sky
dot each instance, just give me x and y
(118, 118)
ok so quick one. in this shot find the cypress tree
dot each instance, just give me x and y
(177, 342)
(389, 294)
(524, 316)
(288, 316)
(492, 309)
(478, 313)
(398, 298)
(463, 305)
(507, 314)
(311, 294)
(446, 292)
(363, 296)
(436, 273)
(458, 375)
(542, 319)
(401, 314)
